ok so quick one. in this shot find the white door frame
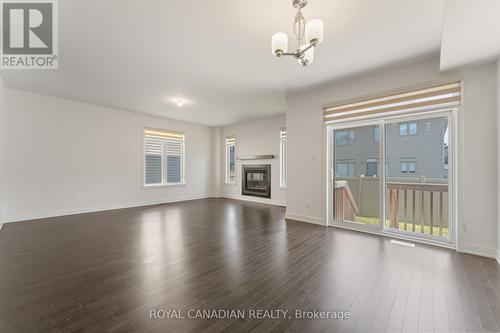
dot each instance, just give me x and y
(382, 121)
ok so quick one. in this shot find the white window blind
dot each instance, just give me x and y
(230, 160)
(283, 157)
(408, 165)
(163, 157)
(444, 95)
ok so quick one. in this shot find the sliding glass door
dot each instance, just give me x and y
(393, 176)
(417, 184)
(356, 167)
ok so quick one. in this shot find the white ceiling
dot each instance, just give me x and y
(471, 32)
(137, 55)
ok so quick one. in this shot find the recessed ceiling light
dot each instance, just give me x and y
(178, 101)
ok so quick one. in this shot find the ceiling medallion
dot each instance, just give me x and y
(309, 35)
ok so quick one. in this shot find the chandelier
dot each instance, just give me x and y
(308, 37)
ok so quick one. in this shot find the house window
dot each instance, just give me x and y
(230, 160)
(345, 137)
(163, 157)
(283, 158)
(344, 169)
(371, 168)
(376, 134)
(408, 165)
(407, 129)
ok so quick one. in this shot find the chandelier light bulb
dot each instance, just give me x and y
(279, 43)
(314, 31)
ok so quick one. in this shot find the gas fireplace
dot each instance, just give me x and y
(256, 180)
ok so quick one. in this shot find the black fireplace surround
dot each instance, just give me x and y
(256, 180)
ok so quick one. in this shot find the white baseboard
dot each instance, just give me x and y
(305, 218)
(479, 250)
(64, 212)
(255, 199)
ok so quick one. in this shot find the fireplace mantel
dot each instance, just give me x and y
(256, 157)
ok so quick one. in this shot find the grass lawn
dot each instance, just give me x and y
(427, 229)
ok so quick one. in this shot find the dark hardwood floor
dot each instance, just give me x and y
(105, 272)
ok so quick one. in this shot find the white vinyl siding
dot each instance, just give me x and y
(230, 160)
(163, 158)
(283, 158)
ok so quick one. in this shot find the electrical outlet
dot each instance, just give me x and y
(308, 204)
(466, 226)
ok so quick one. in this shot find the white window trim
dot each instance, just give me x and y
(227, 179)
(283, 161)
(455, 241)
(183, 175)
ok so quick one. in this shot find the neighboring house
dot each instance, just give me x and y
(414, 149)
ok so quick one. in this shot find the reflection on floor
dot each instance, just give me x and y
(106, 271)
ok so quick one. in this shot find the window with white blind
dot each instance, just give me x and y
(413, 101)
(283, 158)
(344, 168)
(347, 137)
(408, 165)
(406, 129)
(163, 157)
(230, 160)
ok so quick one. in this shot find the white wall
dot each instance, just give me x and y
(498, 160)
(478, 158)
(256, 138)
(66, 157)
(217, 161)
(1, 148)
(307, 145)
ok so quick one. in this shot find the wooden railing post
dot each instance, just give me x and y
(441, 214)
(406, 208)
(414, 211)
(432, 211)
(422, 212)
(394, 208)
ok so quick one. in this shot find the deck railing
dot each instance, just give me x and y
(399, 194)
